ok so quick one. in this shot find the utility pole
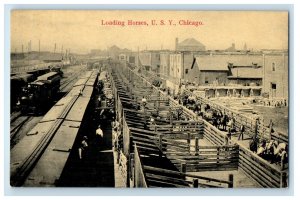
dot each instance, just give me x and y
(54, 47)
(39, 49)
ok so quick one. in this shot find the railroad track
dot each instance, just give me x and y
(15, 129)
(14, 116)
(70, 80)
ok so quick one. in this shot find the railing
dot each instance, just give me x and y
(126, 137)
(190, 180)
(213, 135)
(201, 158)
(139, 177)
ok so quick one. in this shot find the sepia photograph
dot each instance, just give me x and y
(149, 98)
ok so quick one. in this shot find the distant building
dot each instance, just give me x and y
(275, 74)
(165, 63)
(246, 70)
(189, 44)
(232, 48)
(150, 60)
(176, 66)
(208, 70)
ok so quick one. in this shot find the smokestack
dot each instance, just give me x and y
(176, 43)
(233, 45)
(245, 47)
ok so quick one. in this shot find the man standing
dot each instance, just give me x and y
(83, 148)
(242, 130)
(99, 134)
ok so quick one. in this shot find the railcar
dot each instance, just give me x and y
(17, 82)
(39, 95)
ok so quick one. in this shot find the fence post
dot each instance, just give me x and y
(171, 116)
(195, 183)
(196, 146)
(230, 177)
(160, 145)
(132, 174)
(189, 138)
(128, 166)
(183, 168)
(218, 154)
(283, 180)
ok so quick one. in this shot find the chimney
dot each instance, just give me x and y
(233, 45)
(245, 47)
(176, 44)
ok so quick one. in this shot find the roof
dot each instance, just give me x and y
(211, 63)
(246, 72)
(46, 76)
(37, 83)
(191, 42)
(221, 62)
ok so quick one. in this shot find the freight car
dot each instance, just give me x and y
(17, 82)
(39, 95)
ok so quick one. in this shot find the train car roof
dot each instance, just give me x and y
(78, 109)
(37, 83)
(46, 76)
(55, 156)
(87, 92)
(25, 146)
(75, 90)
(21, 76)
(80, 81)
(57, 109)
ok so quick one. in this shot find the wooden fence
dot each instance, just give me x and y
(260, 170)
(139, 177)
(190, 180)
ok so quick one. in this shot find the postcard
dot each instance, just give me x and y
(149, 98)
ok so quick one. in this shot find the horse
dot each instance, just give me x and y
(253, 144)
(223, 121)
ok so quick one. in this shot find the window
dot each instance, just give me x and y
(186, 71)
(273, 86)
(273, 67)
(206, 80)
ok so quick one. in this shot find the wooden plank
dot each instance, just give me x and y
(167, 178)
(260, 170)
(165, 183)
(255, 176)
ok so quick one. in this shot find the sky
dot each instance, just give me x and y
(82, 31)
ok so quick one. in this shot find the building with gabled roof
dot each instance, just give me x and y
(189, 44)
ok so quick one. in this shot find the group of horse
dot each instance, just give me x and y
(215, 117)
(272, 151)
